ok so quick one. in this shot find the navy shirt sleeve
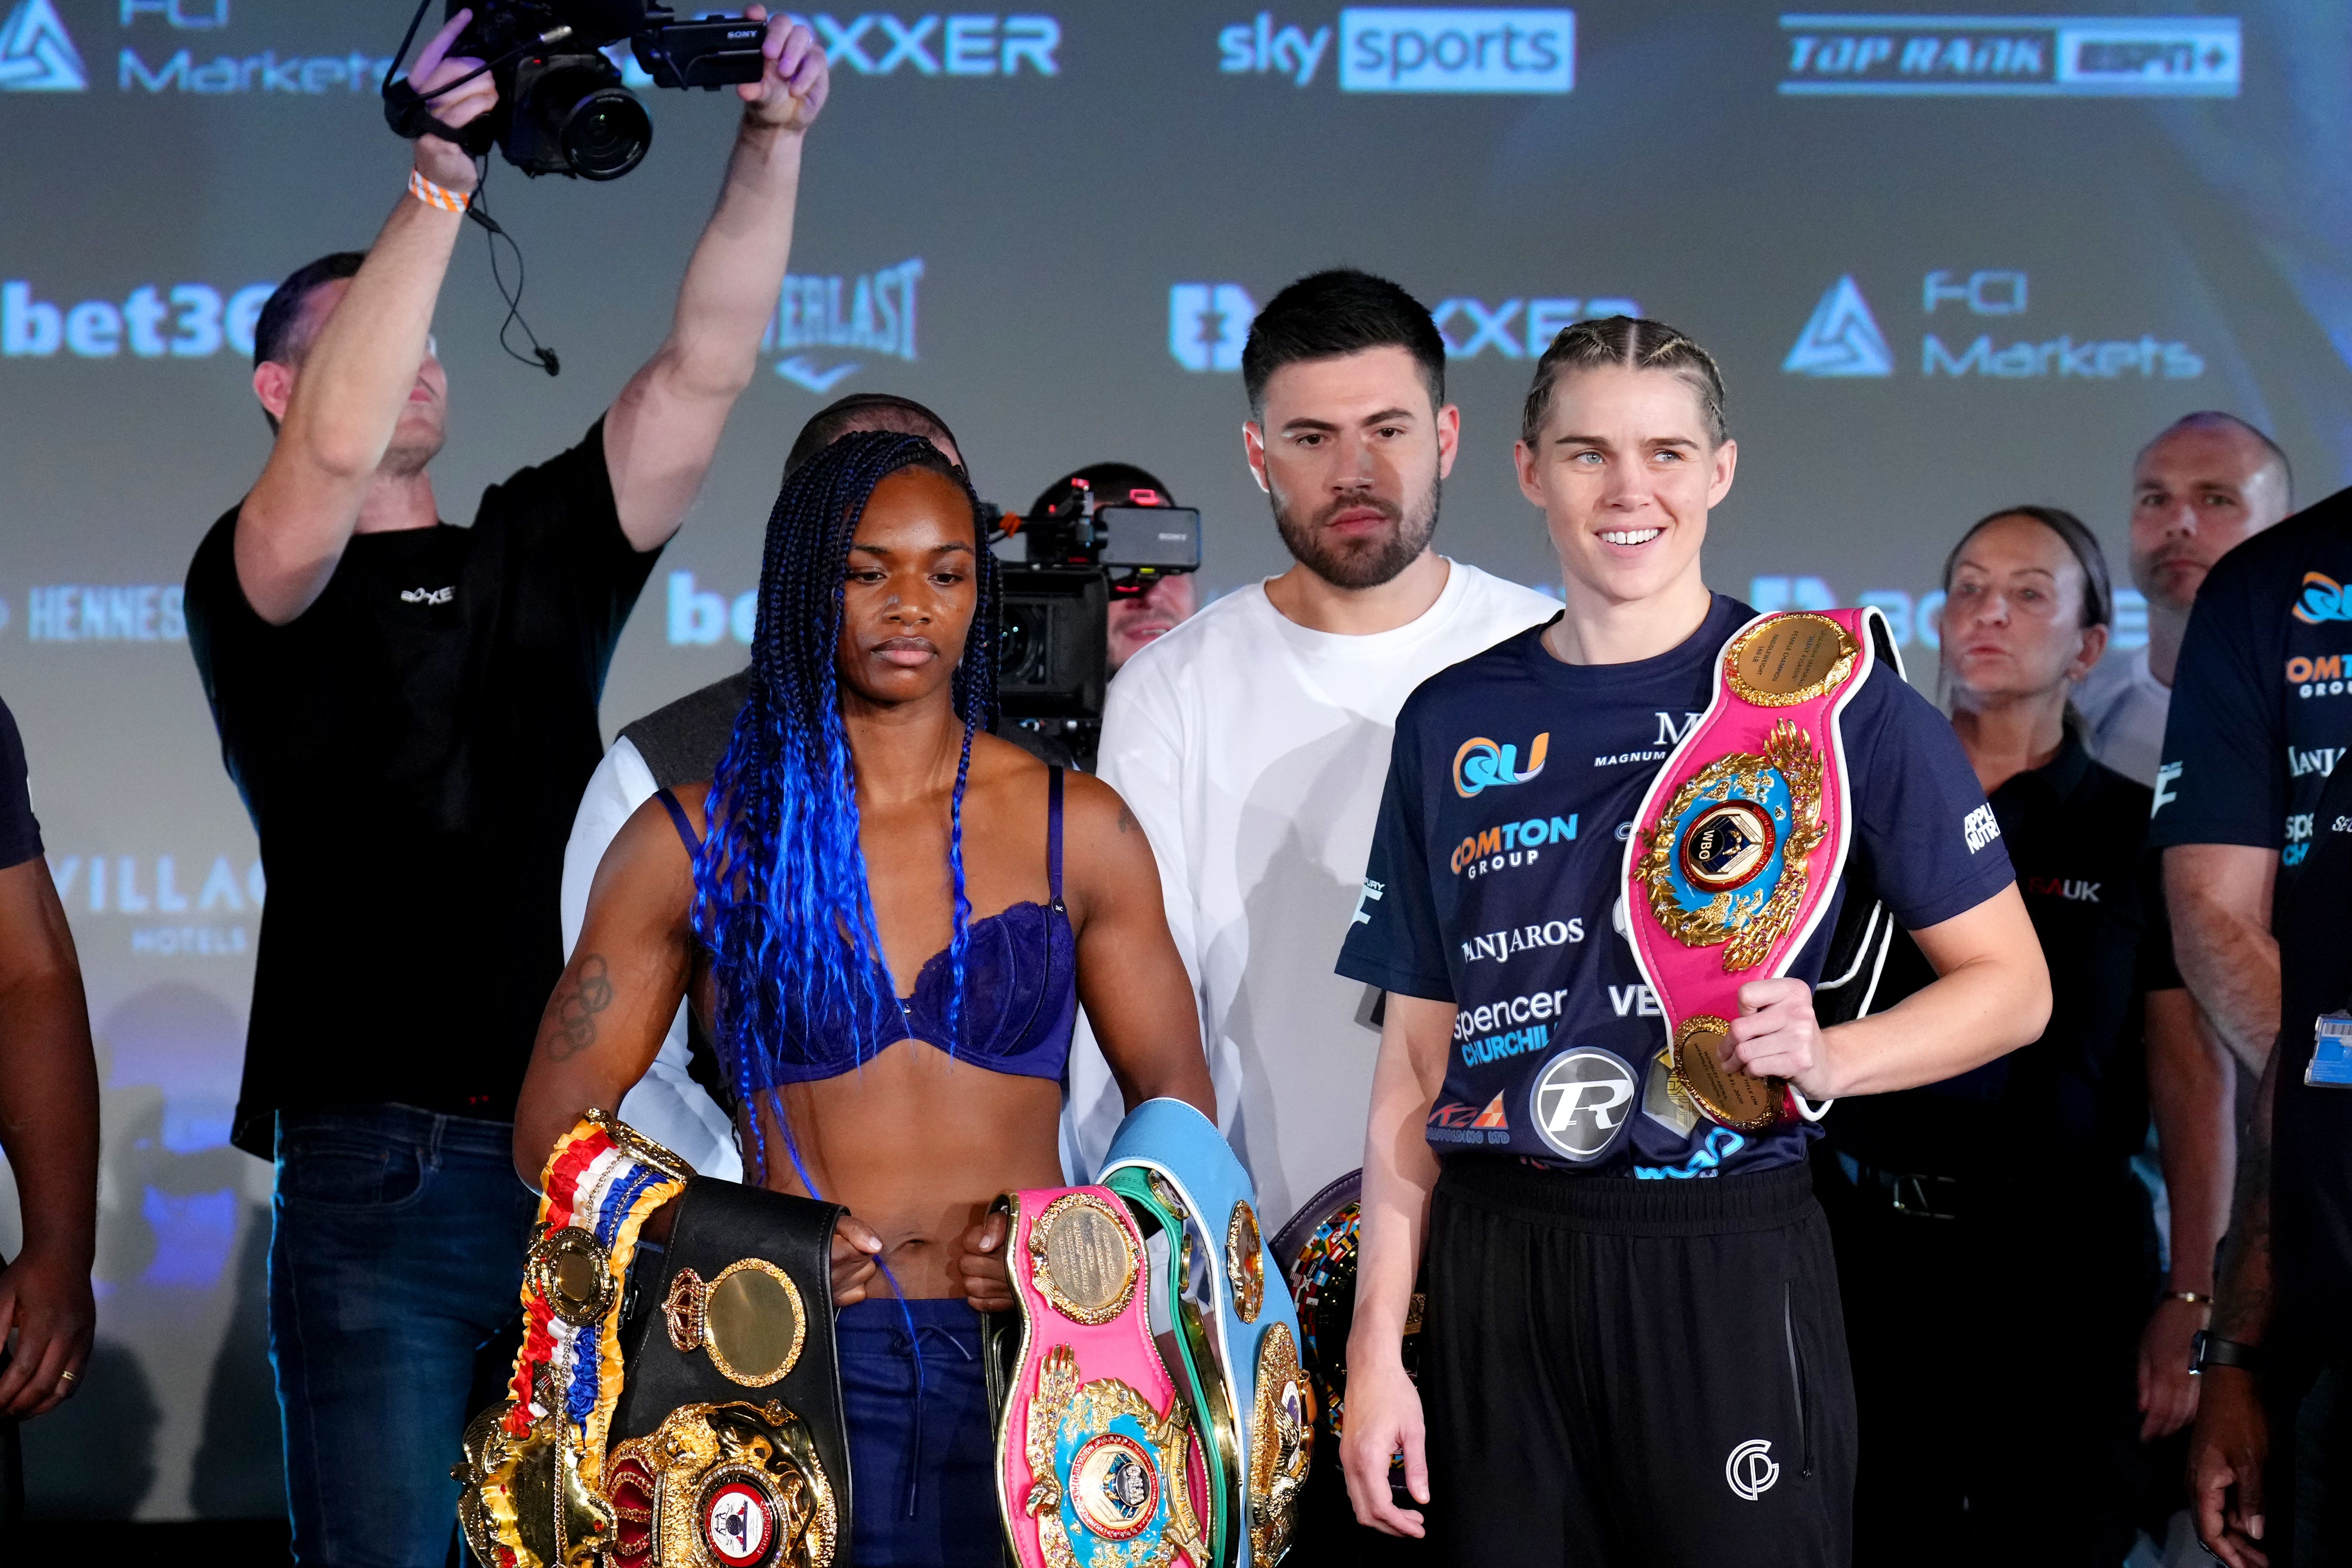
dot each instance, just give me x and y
(2220, 781)
(20, 835)
(1394, 941)
(1933, 840)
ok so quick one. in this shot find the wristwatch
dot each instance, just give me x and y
(2209, 1350)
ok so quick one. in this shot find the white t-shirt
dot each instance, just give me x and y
(1252, 752)
(2125, 706)
(666, 1105)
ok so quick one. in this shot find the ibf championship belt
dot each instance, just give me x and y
(1738, 844)
(685, 1413)
(1230, 1324)
(1096, 1462)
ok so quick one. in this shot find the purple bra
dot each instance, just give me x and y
(1021, 990)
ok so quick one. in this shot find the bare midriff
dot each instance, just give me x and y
(917, 1143)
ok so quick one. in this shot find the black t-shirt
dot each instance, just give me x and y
(2310, 1124)
(2262, 710)
(20, 836)
(2262, 701)
(413, 748)
(2076, 1098)
(1496, 869)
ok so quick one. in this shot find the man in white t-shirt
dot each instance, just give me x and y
(2208, 481)
(1251, 741)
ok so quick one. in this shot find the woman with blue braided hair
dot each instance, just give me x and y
(887, 917)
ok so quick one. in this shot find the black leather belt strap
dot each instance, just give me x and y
(718, 1225)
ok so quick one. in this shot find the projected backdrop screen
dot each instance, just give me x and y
(1946, 265)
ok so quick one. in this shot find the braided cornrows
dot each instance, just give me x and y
(1635, 343)
(781, 893)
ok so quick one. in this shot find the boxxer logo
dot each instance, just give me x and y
(1208, 323)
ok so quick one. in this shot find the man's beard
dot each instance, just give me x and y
(1367, 561)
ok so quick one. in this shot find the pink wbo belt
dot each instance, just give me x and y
(1738, 845)
(1096, 1462)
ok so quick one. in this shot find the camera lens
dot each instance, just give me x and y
(605, 134)
(1022, 647)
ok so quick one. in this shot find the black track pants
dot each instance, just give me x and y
(1636, 1374)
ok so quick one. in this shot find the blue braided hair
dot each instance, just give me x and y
(781, 894)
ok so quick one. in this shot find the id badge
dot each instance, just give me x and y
(2331, 1052)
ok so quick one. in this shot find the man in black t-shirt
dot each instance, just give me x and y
(48, 1131)
(2255, 820)
(409, 709)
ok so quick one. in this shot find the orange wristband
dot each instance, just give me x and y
(434, 196)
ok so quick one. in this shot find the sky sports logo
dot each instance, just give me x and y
(2009, 56)
(1418, 50)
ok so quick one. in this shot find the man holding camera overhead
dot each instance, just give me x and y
(409, 709)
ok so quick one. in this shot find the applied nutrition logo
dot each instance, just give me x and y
(37, 53)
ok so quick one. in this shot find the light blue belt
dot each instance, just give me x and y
(1219, 1296)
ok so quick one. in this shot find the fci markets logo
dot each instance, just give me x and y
(1841, 338)
(37, 53)
(1481, 764)
(872, 312)
(1208, 323)
(1422, 49)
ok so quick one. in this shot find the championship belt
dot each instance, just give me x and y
(1738, 846)
(1228, 1322)
(725, 1449)
(1318, 1250)
(1096, 1462)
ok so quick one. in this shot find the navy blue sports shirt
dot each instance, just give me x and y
(1495, 880)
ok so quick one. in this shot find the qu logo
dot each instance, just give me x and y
(1481, 763)
(2323, 600)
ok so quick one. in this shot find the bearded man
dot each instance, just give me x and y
(1251, 741)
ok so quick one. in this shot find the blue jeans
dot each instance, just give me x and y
(395, 1254)
(922, 1467)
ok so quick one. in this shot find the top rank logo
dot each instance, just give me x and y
(2011, 57)
(37, 53)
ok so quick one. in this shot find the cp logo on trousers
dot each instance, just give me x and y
(1750, 1470)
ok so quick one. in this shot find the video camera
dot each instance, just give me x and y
(561, 108)
(1084, 548)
